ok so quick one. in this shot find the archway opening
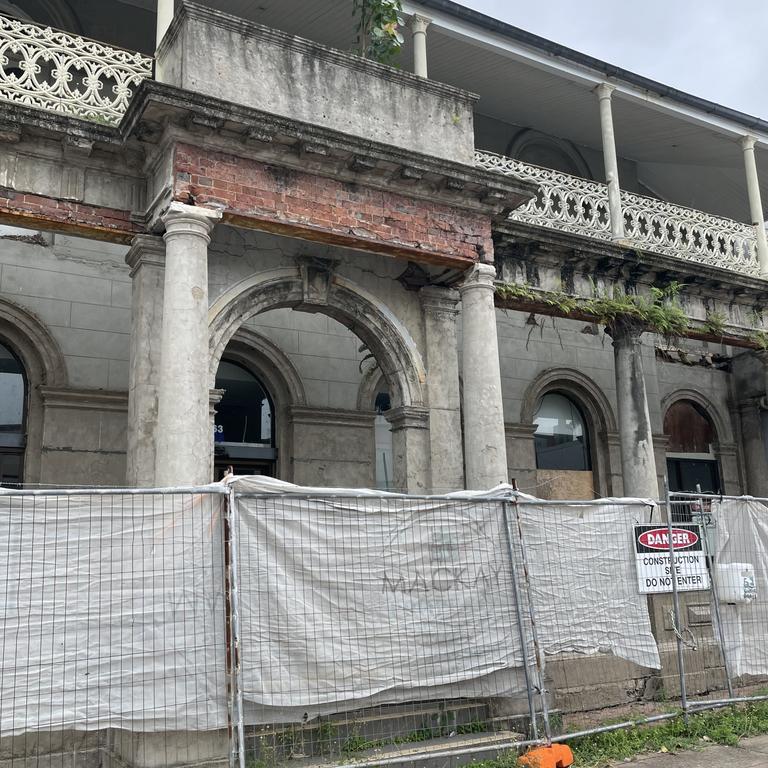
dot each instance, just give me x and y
(385, 480)
(13, 408)
(563, 449)
(244, 424)
(691, 461)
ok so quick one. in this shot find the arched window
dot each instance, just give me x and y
(244, 428)
(691, 460)
(12, 417)
(561, 437)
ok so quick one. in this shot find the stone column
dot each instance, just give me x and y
(419, 26)
(638, 464)
(610, 160)
(146, 258)
(410, 448)
(183, 421)
(485, 451)
(755, 202)
(440, 307)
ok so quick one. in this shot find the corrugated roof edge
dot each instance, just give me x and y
(548, 46)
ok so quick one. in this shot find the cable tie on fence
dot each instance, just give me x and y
(686, 630)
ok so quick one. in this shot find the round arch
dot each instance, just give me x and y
(595, 408)
(590, 397)
(530, 145)
(44, 366)
(722, 427)
(279, 376)
(367, 317)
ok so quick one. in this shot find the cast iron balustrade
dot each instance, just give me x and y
(49, 69)
(579, 206)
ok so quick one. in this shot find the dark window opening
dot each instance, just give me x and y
(13, 399)
(244, 426)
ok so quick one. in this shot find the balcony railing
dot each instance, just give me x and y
(579, 206)
(49, 69)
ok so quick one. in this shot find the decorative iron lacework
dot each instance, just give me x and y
(49, 69)
(579, 206)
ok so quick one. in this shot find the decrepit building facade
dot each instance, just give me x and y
(246, 246)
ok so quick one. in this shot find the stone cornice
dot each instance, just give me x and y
(85, 399)
(301, 414)
(520, 431)
(608, 257)
(161, 114)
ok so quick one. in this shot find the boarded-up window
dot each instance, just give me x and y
(688, 428)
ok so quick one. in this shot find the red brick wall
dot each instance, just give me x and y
(50, 213)
(306, 205)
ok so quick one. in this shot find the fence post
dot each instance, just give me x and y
(233, 598)
(676, 605)
(539, 655)
(710, 556)
(521, 631)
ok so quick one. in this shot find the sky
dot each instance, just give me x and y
(715, 49)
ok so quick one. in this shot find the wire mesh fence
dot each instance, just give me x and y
(225, 626)
(113, 640)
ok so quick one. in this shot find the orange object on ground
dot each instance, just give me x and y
(554, 756)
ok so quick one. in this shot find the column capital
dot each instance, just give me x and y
(748, 142)
(604, 90)
(625, 333)
(478, 276)
(146, 250)
(437, 299)
(419, 23)
(408, 417)
(182, 219)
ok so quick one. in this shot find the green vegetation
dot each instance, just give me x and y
(659, 312)
(715, 323)
(721, 726)
(378, 28)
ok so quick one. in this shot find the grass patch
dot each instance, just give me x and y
(721, 726)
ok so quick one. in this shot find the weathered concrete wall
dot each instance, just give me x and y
(80, 291)
(210, 52)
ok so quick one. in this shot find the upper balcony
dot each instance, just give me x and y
(253, 65)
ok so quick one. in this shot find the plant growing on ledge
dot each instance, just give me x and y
(659, 312)
(378, 28)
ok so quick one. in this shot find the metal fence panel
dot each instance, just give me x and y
(113, 633)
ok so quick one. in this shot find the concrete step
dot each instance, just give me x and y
(436, 753)
(341, 733)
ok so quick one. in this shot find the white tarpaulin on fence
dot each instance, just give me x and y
(583, 579)
(373, 598)
(113, 613)
(742, 537)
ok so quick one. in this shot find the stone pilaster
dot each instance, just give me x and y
(440, 307)
(183, 424)
(638, 463)
(753, 438)
(146, 258)
(410, 448)
(485, 451)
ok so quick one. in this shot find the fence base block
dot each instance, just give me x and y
(554, 756)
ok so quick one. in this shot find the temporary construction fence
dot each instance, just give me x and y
(257, 622)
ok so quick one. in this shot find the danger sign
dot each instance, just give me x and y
(654, 571)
